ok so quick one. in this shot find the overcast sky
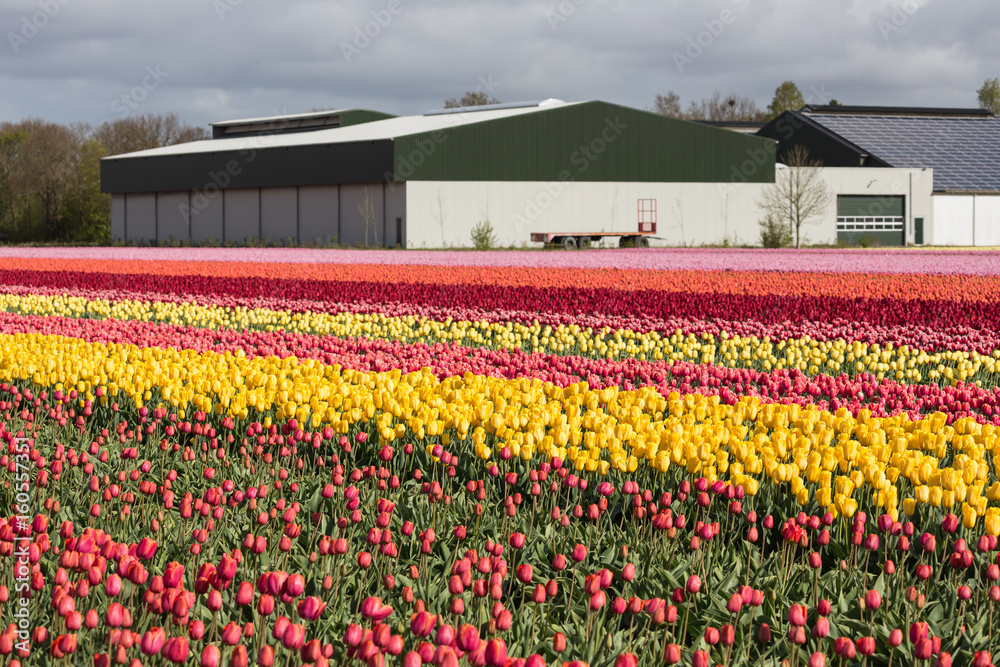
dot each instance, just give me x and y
(209, 60)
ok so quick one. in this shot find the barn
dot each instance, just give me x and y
(534, 172)
(960, 146)
(359, 177)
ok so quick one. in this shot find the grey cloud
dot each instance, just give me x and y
(266, 55)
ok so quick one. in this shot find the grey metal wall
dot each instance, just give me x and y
(279, 212)
(171, 223)
(241, 214)
(140, 215)
(362, 217)
(206, 218)
(319, 212)
(326, 214)
(118, 216)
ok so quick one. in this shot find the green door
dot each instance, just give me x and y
(918, 231)
(871, 219)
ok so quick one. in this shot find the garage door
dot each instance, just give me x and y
(871, 219)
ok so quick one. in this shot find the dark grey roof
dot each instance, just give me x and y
(963, 151)
(856, 110)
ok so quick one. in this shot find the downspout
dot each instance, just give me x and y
(909, 207)
(973, 219)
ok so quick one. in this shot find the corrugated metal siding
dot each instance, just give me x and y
(871, 205)
(594, 141)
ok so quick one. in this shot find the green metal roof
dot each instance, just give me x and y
(589, 141)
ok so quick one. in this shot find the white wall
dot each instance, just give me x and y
(914, 184)
(442, 213)
(966, 220)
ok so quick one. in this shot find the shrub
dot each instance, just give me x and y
(774, 233)
(483, 237)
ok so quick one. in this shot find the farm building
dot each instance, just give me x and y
(960, 146)
(543, 171)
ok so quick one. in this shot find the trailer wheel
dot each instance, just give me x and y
(569, 243)
(626, 242)
(642, 242)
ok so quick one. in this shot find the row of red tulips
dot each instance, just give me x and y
(593, 301)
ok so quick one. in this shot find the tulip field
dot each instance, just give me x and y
(607, 458)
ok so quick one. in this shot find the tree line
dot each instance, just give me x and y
(50, 174)
(735, 107)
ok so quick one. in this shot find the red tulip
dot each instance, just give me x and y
(152, 641)
(176, 649)
(627, 660)
(293, 637)
(468, 638)
(239, 657)
(265, 656)
(115, 615)
(844, 647)
(496, 653)
(797, 614)
(982, 659)
(210, 656)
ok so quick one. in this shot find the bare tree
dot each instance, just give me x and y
(473, 98)
(798, 193)
(440, 217)
(718, 107)
(668, 105)
(138, 133)
(367, 210)
(725, 108)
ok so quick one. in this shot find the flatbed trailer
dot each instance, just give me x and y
(646, 210)
(574, 240)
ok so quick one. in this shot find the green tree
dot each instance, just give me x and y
(473, 98)
(787, 97)
(989, 96)
(11, 182)
(86, 210)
